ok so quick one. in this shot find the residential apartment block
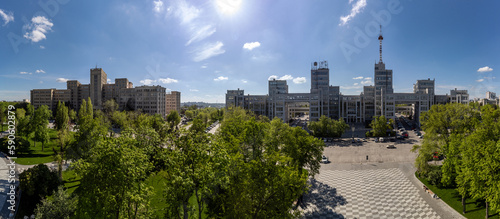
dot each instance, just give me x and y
(173, 102)
(148, 99)
(325, 99)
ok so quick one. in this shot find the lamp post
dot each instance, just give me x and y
(352, 129)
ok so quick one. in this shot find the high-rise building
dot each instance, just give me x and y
(148, 99)
(173, 102)
(323, 99)
(98, 78)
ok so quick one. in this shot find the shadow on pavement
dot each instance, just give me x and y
(321, 200)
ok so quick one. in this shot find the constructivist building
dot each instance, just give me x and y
(324, 99)
(148, 99)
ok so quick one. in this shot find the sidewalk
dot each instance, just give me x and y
(4, 188)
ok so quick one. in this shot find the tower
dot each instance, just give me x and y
(380, 38)
(98, 79)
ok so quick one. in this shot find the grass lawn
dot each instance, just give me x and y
(474, 208)
(38, 156)
(158, 201)
(71, 180)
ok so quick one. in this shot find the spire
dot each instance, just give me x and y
(380, 38)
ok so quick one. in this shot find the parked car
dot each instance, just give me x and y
(391, 146)
(324, 159)
(381, 139)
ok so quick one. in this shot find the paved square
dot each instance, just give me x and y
(379, 193)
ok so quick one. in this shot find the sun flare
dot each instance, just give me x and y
(228, 7)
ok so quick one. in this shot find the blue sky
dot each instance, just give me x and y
(204, 48)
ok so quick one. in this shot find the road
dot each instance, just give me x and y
(382, 186)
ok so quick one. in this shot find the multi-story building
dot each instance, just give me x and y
(173, 102)
(148, 99)
(324, 99)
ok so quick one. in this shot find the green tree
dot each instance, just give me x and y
(112, 183)
(62, 117)
(40, 123)
(110, 106)
(380, 126)
(327, 127)
(91, 131)
(61, 206)
(35, 183)
(173, 119)
(72, 115)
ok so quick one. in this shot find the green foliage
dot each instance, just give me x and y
(62, 116)
(380, 126)
(468, 137)
(39, 124)
(110, 106)
(22, 146)
(35, 183)
(91, 132)
(112, 181)
(61, 206)
(173, 119)
(327, 127)
(266, 169)
(72, 115)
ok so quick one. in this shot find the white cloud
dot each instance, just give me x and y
(366, 82)
(41, 82)
(6, 16)
(108, 80)
(356, 8)
(39, 26)
(167, 80)
(368, 78)
(272, 77)
(193, 90)
(209, 50)
(147, 81)
(186, 13)
(221, 78)
(201, 33)
(158, 6)
(40, 71)
(299, 80)
(42, 47)
(484, 69)
(356, 84)
(285, 77)
(23, 73)
(358, 78)
(480, 80)
(204, 66)
(62, 80)
(244, 81)
(251, 45)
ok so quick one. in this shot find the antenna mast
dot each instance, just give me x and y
(380, 38)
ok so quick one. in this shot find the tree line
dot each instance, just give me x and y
(467, 139)
(251, 168)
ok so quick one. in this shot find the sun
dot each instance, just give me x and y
(228, 7)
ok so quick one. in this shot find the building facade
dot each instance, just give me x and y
(148, 99)
(324, 99)
(173, 102)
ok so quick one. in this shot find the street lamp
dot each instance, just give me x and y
(352, 129)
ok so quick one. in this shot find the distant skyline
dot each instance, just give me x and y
(204, 48)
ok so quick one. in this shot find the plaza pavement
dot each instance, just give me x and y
(384, 186)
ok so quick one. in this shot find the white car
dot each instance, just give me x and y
(391, 146)
(324, 159)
